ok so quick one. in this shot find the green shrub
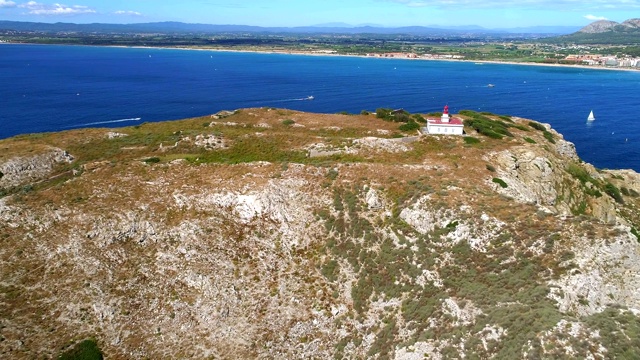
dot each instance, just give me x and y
(85, 350)
(619, 332)
(469, 113)
(635, 233)
(364, 112)
(581, 209)
(628, 192)
(491, 168)
(152, 160)
(330, 270)
(409, 126)
(484, 125)
(549, 136)
(613, 191)
(500, 182)
(401, 116)
(520, 127)
(393, 115)
(383, 113)
(418, 118)
(470, 140)
(537, 126)
(529, 140)
(288, 122)
(579, 173)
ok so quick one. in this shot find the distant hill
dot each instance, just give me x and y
(605, 32)
(331, 28)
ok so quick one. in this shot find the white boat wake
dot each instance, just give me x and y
(295, 99)
(109, 122)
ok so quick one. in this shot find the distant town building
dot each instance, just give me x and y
(584, 58)
(445, 125)
(611, 61)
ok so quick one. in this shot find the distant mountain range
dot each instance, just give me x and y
(336, 28)
(605, 32)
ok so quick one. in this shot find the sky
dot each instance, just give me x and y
(289, 13)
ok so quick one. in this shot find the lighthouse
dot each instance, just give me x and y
(445, 125)
(445, 114)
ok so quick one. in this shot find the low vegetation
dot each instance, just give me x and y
(547, 135)
(500, 182)
(484, 124)
(470, 140)
(84, 350)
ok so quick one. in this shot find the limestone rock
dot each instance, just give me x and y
(28, 169)
(530, 177)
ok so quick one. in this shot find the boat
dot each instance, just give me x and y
(490, 85)
(310, 97)
(591, 117)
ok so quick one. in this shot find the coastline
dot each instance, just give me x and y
(301, 53)
(306, 53)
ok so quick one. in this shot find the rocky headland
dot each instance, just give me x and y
(269, 233)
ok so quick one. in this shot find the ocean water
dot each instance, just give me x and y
(52, 88)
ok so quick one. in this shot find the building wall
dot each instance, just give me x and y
(445, 130)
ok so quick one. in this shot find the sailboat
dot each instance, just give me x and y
(591, 117)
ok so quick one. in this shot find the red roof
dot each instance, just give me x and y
(452, 121)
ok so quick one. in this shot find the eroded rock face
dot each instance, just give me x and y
(530, 177)
(540, 178)
(22, 170)
(566, 149)
(601, 277)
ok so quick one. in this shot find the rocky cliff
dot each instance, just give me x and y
(267, 233)
(601, 26)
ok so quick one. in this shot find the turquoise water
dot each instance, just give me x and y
(51, 88)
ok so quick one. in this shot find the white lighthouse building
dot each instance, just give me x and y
(446, 125)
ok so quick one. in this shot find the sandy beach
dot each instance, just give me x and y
(307, 53)
(498, 62)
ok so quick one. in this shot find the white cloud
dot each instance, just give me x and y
(538, 4)
(7, 4)
(36, 8)
(595, 18)
(130, 13)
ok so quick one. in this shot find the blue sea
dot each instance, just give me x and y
(52, 88)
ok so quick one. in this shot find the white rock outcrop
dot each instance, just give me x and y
(26, 169)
